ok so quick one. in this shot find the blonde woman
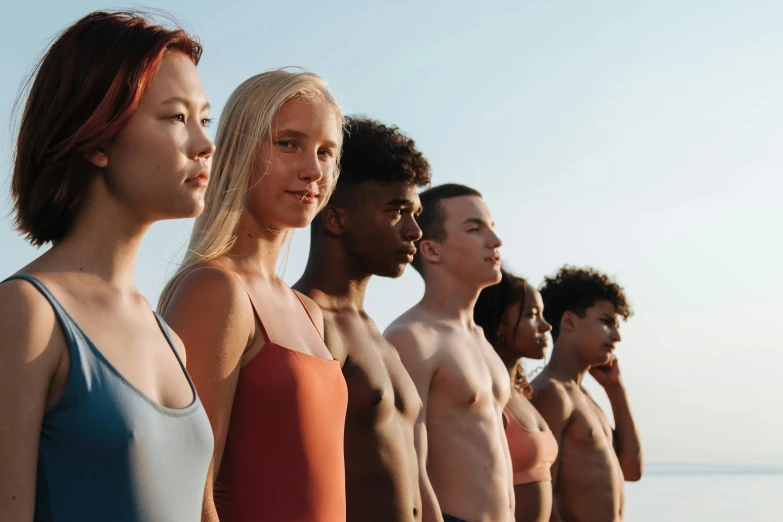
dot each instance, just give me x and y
(274, 395)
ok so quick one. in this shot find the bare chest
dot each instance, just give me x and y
(589, 426)
(525, 413)
(471, 374)
(378, 385)
(130, 340)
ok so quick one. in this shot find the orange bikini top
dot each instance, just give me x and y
(532, 452)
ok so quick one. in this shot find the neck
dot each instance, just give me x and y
(565, 365)
(509, 358)
(104, 240)
(257, 247)
(335, 274)
(449, 298)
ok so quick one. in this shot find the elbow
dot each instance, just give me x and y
(632, 472)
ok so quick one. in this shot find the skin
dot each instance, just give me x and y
(460, 438)
(523, 334)
(210, 308)
(594, 460)
(372, 235)
(145, 175)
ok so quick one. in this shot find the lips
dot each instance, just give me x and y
(409, 253)
(201, 179)
(307, 197)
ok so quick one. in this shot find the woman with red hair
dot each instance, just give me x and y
(100, 420)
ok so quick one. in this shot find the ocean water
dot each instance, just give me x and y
(709, 493)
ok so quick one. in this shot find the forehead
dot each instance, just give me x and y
(602, 307)
(177, 76)
(315, 118)
(377, 192)
(533, 297)
(458, 209)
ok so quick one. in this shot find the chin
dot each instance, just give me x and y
(393, 272)
(298, 221)
(185, 210)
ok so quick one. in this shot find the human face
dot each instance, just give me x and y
(596, 333)
(470, 250)
(380, 227)
(158, 164)
(296, 167)
(524, 326)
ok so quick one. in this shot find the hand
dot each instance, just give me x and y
(607, 375)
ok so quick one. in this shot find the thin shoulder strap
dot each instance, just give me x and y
(250, 297)
(307, 311)
(66, 322)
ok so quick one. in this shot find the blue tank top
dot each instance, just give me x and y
(109, 453)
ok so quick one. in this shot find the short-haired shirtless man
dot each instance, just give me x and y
(583, 306)
(463, 384)
(369, 228)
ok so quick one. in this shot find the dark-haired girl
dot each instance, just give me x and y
(99, 420)
(512, 316)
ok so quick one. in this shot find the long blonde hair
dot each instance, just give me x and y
(246, 121)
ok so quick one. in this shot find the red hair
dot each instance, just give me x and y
(85, 88)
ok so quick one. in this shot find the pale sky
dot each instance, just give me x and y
(644, 141)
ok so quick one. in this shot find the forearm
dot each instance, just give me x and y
(208, 511)
(627, 443)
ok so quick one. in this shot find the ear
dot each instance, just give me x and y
(333, 220)
(568, 322)
(430, 250)
(97, 157)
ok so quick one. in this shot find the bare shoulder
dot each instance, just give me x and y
(313, 309)
(206, 299)
(27, 324)
(208, 285)
(410, 335)
(551, 397)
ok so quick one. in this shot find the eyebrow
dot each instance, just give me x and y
(400, 202)
(299, 134)
(609, 317)
(477, 221)
(185, 102)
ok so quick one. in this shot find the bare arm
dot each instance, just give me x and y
(31, 348)
(211, 313)
(421, 370)
(626, 437)
(627, 445)
(555, 406)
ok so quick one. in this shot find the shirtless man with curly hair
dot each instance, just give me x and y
(583, 307)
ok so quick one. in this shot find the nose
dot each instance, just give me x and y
(616, 335)
(544, 326)
(202, 145)
(494, 240)
(412, 231)
(312, 168)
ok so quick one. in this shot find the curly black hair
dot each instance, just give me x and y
(491, 311)
(575, 290)
(373, 151)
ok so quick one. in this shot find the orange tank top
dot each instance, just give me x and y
(532, 452)
(283, 458)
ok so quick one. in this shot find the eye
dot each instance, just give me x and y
(285, 144)
(179, 117)
(325, 152)
(207, 122)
